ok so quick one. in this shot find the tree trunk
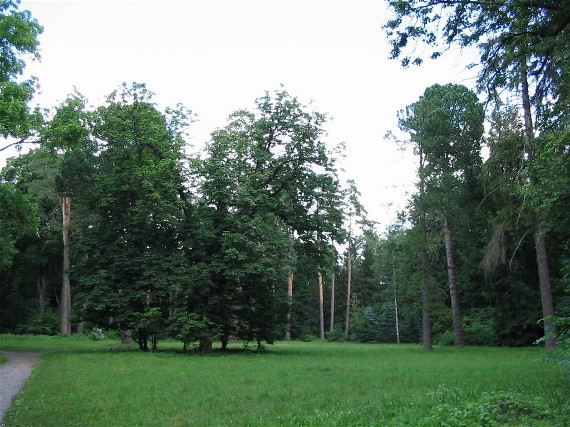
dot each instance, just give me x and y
(331, 326)
(458, 338)
(65, 303)
(126, 336)
(539, 242)
(225, 338)
(348, 292)
(427, 339)
(289, 306)
(143, 340)
(321, 305)
(80, 327)
(205, 346)
(41, 288)
(396, 316)
(426, 317)
(544, 283)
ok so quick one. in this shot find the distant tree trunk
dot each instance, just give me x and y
(544, 282)
(321, 305)
(458, 338)
(143, 340)
(205, 346)
(348, 292)
(331, 326)
(289, 306)
(225, 335)
(126, 336)
(41, 288)
(426, 317)
(65, 303)
(396, 312)
(154, 341)
(539, 241)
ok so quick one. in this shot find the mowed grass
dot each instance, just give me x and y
(293, 383)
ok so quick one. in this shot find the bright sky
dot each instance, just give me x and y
(216, 57)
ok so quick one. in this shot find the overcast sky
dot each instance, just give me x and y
(217, 56)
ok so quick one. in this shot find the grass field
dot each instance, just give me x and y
(89, 383)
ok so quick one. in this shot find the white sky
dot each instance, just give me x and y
(218, 56)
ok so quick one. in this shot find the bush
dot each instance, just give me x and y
(335, 335)
(97, 334)
(479, 327)
(489, 410)
(444, 338)
(364, 325)
(46, 324)
(561, 355)
(308, 337)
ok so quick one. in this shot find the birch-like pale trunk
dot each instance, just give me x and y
(65, 300)
(397, 320)
(331, 326)
(348, 292)
(321, 305)
(289, 306)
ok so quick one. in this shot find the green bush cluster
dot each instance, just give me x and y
(561, 355)
(47, 323)
(491, 410)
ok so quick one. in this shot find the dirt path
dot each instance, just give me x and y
(13, 374)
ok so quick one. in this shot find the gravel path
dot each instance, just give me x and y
(13, 374)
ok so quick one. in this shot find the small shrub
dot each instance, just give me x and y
(479, 327)
(46, 324)
(97, 334)
(561, 355)
(490, 410)
(444, 338)
(335, 335)
(365, 325)
(308, 337)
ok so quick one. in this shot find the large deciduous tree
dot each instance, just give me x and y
(266, 174)
(18, 41)
(18, 38)
(18, 216)
(130, 250)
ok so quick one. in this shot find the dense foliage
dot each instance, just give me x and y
(256, 235)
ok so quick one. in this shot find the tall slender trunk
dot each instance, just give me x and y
(289, 306)
(426, 317)
(41, 288)
(331, 325)
(539, 241)
(65, 303)
(396, 316)
(348, 291)
(458, 338)
(427, 338)
(321, 305)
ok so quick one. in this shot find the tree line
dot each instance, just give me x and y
(108, 222)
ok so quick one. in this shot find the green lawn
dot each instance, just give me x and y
(297, 383)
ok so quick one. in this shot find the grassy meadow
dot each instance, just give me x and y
(96, 383)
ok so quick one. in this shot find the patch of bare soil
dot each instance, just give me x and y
(13, 375)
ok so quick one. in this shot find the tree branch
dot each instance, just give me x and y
(20, 142)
